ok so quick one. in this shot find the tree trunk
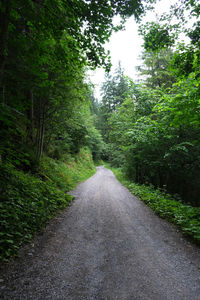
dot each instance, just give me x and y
(3, 95)
(4, 17)
(40, 130)
(32, 116)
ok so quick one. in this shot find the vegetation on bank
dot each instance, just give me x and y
(30, 200)
(152, 131)
(184, 216)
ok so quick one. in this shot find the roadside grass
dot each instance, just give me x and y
(99, 163)
(184, 216)
(28, 201)
(68, 173)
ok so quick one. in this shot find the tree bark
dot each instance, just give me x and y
(4, 17)
(32, 116)
(41, 129)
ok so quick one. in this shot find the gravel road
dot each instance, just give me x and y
(107, 245)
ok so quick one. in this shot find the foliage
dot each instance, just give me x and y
(185, 217)
(45, 47)
(114, 91)
(28, 202)
(162, 34)
(45, 117)
(68, 171)
(154, 132)
(48, 112)
(45, 114)
(155, 69)
(156, 36)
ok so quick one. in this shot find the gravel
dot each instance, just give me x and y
(107, 245)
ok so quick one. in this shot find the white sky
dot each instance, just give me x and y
(126, 47)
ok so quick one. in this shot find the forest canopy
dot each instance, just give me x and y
(152, 126)
(45, 47)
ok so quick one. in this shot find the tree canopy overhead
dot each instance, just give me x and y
(45, 46)
(87, 24)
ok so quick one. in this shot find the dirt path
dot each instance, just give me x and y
(108, 245)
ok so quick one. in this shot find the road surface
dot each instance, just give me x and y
(106, 246)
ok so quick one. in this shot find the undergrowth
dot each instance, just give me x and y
(186, 217)
(28, 201)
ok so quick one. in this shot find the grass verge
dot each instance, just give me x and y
(28, 201)
(185, 217)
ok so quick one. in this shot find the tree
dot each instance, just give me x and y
(154, 133)
(45, 46)
(114, 91)
(155, 69)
